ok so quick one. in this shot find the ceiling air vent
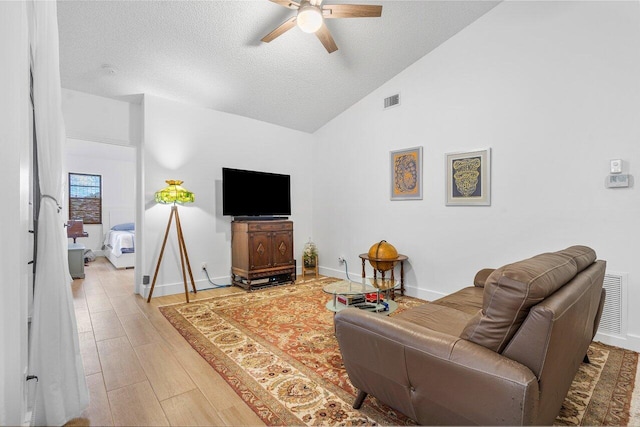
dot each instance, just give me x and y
(392, 101)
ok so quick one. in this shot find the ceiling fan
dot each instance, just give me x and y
(312, 13)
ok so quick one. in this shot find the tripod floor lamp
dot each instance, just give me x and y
(173, 194)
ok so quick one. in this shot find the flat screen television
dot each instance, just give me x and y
(247, 193)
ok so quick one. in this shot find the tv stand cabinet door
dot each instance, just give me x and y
(282, 248)
(259, 250)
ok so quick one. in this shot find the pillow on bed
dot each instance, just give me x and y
(128, 226)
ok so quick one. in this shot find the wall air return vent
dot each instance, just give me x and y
(614, 314)
(392, 101)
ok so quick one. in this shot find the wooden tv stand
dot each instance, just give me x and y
(262, 253)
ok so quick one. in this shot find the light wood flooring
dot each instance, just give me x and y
(139, 369)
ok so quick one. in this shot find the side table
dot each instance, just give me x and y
(400, 258)
(313, 269)
(76, 260)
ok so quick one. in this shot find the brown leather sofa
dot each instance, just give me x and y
(503, 351)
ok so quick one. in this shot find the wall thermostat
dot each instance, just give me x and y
(617, 181)
(616, 166)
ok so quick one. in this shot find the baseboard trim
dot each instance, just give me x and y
(424, 294)
(332, 272)
(178, 288)
(202, 284)
(630, 341)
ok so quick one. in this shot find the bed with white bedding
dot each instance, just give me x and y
(119, 241)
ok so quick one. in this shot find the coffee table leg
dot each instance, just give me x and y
(363, 273)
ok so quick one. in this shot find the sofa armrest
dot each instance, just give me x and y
(482, 276)
(432, 377)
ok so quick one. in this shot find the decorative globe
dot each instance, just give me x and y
(383, 251)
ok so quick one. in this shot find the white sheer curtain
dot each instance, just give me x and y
(54, 352)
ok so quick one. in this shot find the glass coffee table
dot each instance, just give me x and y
(365, 294)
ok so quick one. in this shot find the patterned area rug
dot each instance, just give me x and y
(601, 392)
(276, 348)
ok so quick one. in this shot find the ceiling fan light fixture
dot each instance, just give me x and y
(309, 18)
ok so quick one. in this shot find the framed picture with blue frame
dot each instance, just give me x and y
(406, 174)
(468, 178)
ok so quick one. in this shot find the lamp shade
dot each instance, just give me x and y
(174, 193)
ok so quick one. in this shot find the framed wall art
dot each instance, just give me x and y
(406, 174)
(468, 178)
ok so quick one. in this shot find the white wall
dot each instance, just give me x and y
(193, 144)
(15, 174)
(95, 118)
(117, 166)
(554, 89)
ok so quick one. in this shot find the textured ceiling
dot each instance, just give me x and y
(208, 53)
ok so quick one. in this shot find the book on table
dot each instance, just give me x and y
(350, 299)
(371, 297)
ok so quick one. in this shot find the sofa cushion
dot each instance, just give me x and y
(449, 314)
(437, 318)
(582, 255)
(510, 291)
(468, 300)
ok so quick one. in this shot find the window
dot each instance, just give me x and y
(85, 198)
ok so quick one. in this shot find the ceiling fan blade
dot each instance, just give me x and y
(351, 11)
(287, 3)
(326, 39)
(284, 27)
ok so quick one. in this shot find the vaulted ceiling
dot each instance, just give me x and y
(209, 53)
